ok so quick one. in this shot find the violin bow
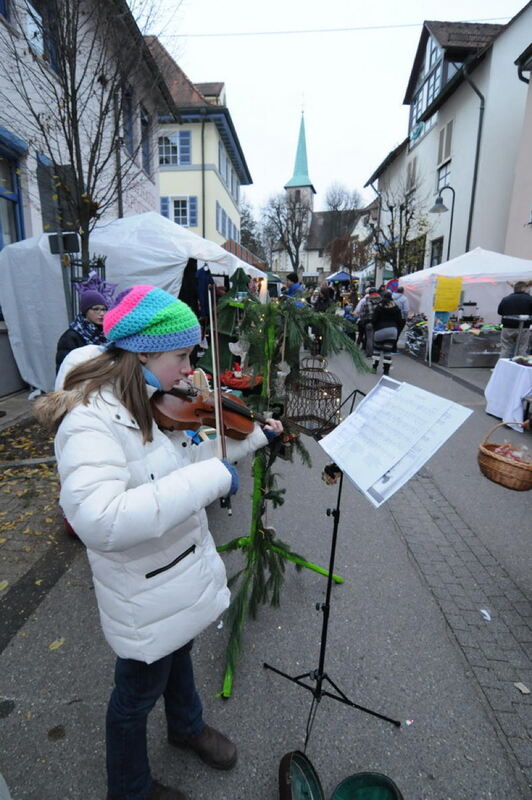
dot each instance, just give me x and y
(218, 407)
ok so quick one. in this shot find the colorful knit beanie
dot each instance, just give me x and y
(150, 320)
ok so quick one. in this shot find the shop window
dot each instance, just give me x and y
(436, 251)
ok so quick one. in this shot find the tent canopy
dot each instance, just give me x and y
(342, 275)
(486, 278)
(144, 248)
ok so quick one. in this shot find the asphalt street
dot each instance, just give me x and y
(406, 638)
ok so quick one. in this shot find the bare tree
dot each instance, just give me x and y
(249, 230)
(339, 198)
(401, 238)
(67, 69)
(286, 218)
(350, 253)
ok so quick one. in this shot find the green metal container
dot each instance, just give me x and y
(298, 780)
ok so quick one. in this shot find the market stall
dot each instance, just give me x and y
(455, 306)
(144, 248)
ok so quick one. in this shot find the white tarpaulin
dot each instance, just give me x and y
(145, 248)
(486, 278)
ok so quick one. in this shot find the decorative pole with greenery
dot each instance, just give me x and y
(272, 330)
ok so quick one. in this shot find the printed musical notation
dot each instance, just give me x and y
(390, 435)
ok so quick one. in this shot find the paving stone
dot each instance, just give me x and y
(511, 723)
(498, 699)
(522, 747)
(487, 677)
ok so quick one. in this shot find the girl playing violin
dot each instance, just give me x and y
(136, 496)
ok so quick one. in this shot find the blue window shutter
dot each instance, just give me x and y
(192, 211)
(165, 207)
(184, 147)
(218, 225)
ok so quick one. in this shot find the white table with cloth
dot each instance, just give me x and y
(509, 384)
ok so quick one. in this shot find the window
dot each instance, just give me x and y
(227, 173)
(39, 30)
(145, 140)
(445, 142)
(183, 210)
(444, 176)
(9, 202)
(4, 8)
(127, 121)
(434, 53)
(225, 225)
(411, 176)
(433, 85)
(414, 253)
(436, 251)
(175, 148)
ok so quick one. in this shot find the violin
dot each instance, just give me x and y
(190, 408)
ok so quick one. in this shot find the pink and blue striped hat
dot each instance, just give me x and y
(150, 320)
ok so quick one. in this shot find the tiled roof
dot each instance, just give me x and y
(326, 226)
(182, 90)
(463, 35)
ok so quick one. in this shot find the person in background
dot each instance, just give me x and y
(365, 319)
(386, 321)
(137, 497)
(294, 288)
(401, 300)
(515, 304)
(86, 328)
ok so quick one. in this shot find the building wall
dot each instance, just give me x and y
(519, 229)
(505, 107)
(186, 181)
(505, 99)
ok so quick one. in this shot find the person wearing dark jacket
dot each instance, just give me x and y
(86, 328)
(515, 304)
(387, 319)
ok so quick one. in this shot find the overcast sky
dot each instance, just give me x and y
(350, 83)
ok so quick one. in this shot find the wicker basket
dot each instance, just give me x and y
(509, 473)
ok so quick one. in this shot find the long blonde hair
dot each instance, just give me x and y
(122, 369)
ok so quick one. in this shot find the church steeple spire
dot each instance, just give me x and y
(300, 179)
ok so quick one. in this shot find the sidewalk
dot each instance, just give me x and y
(407, 638)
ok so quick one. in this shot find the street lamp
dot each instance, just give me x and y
(440, 208)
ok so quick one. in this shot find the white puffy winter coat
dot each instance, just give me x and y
(140, 511)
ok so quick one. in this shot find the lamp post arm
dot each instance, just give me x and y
(451, 220)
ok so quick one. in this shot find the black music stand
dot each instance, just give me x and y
(319, 676)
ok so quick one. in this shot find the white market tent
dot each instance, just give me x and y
(144, 248)
(486, 278)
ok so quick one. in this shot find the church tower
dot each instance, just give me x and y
(300, 186)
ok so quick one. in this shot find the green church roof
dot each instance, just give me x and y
(300, 177)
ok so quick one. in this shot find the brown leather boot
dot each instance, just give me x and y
(211, 746)
(159, 792)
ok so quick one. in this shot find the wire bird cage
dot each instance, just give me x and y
(313, 397)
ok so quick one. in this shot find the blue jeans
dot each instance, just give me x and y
(138, 686)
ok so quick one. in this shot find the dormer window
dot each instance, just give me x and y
(428, 88)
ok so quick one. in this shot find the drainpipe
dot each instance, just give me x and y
(477, 153)
(203, 172)
(521, 76)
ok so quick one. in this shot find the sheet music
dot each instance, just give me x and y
(390, 435)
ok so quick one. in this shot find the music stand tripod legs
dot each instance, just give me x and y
(319, 676)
